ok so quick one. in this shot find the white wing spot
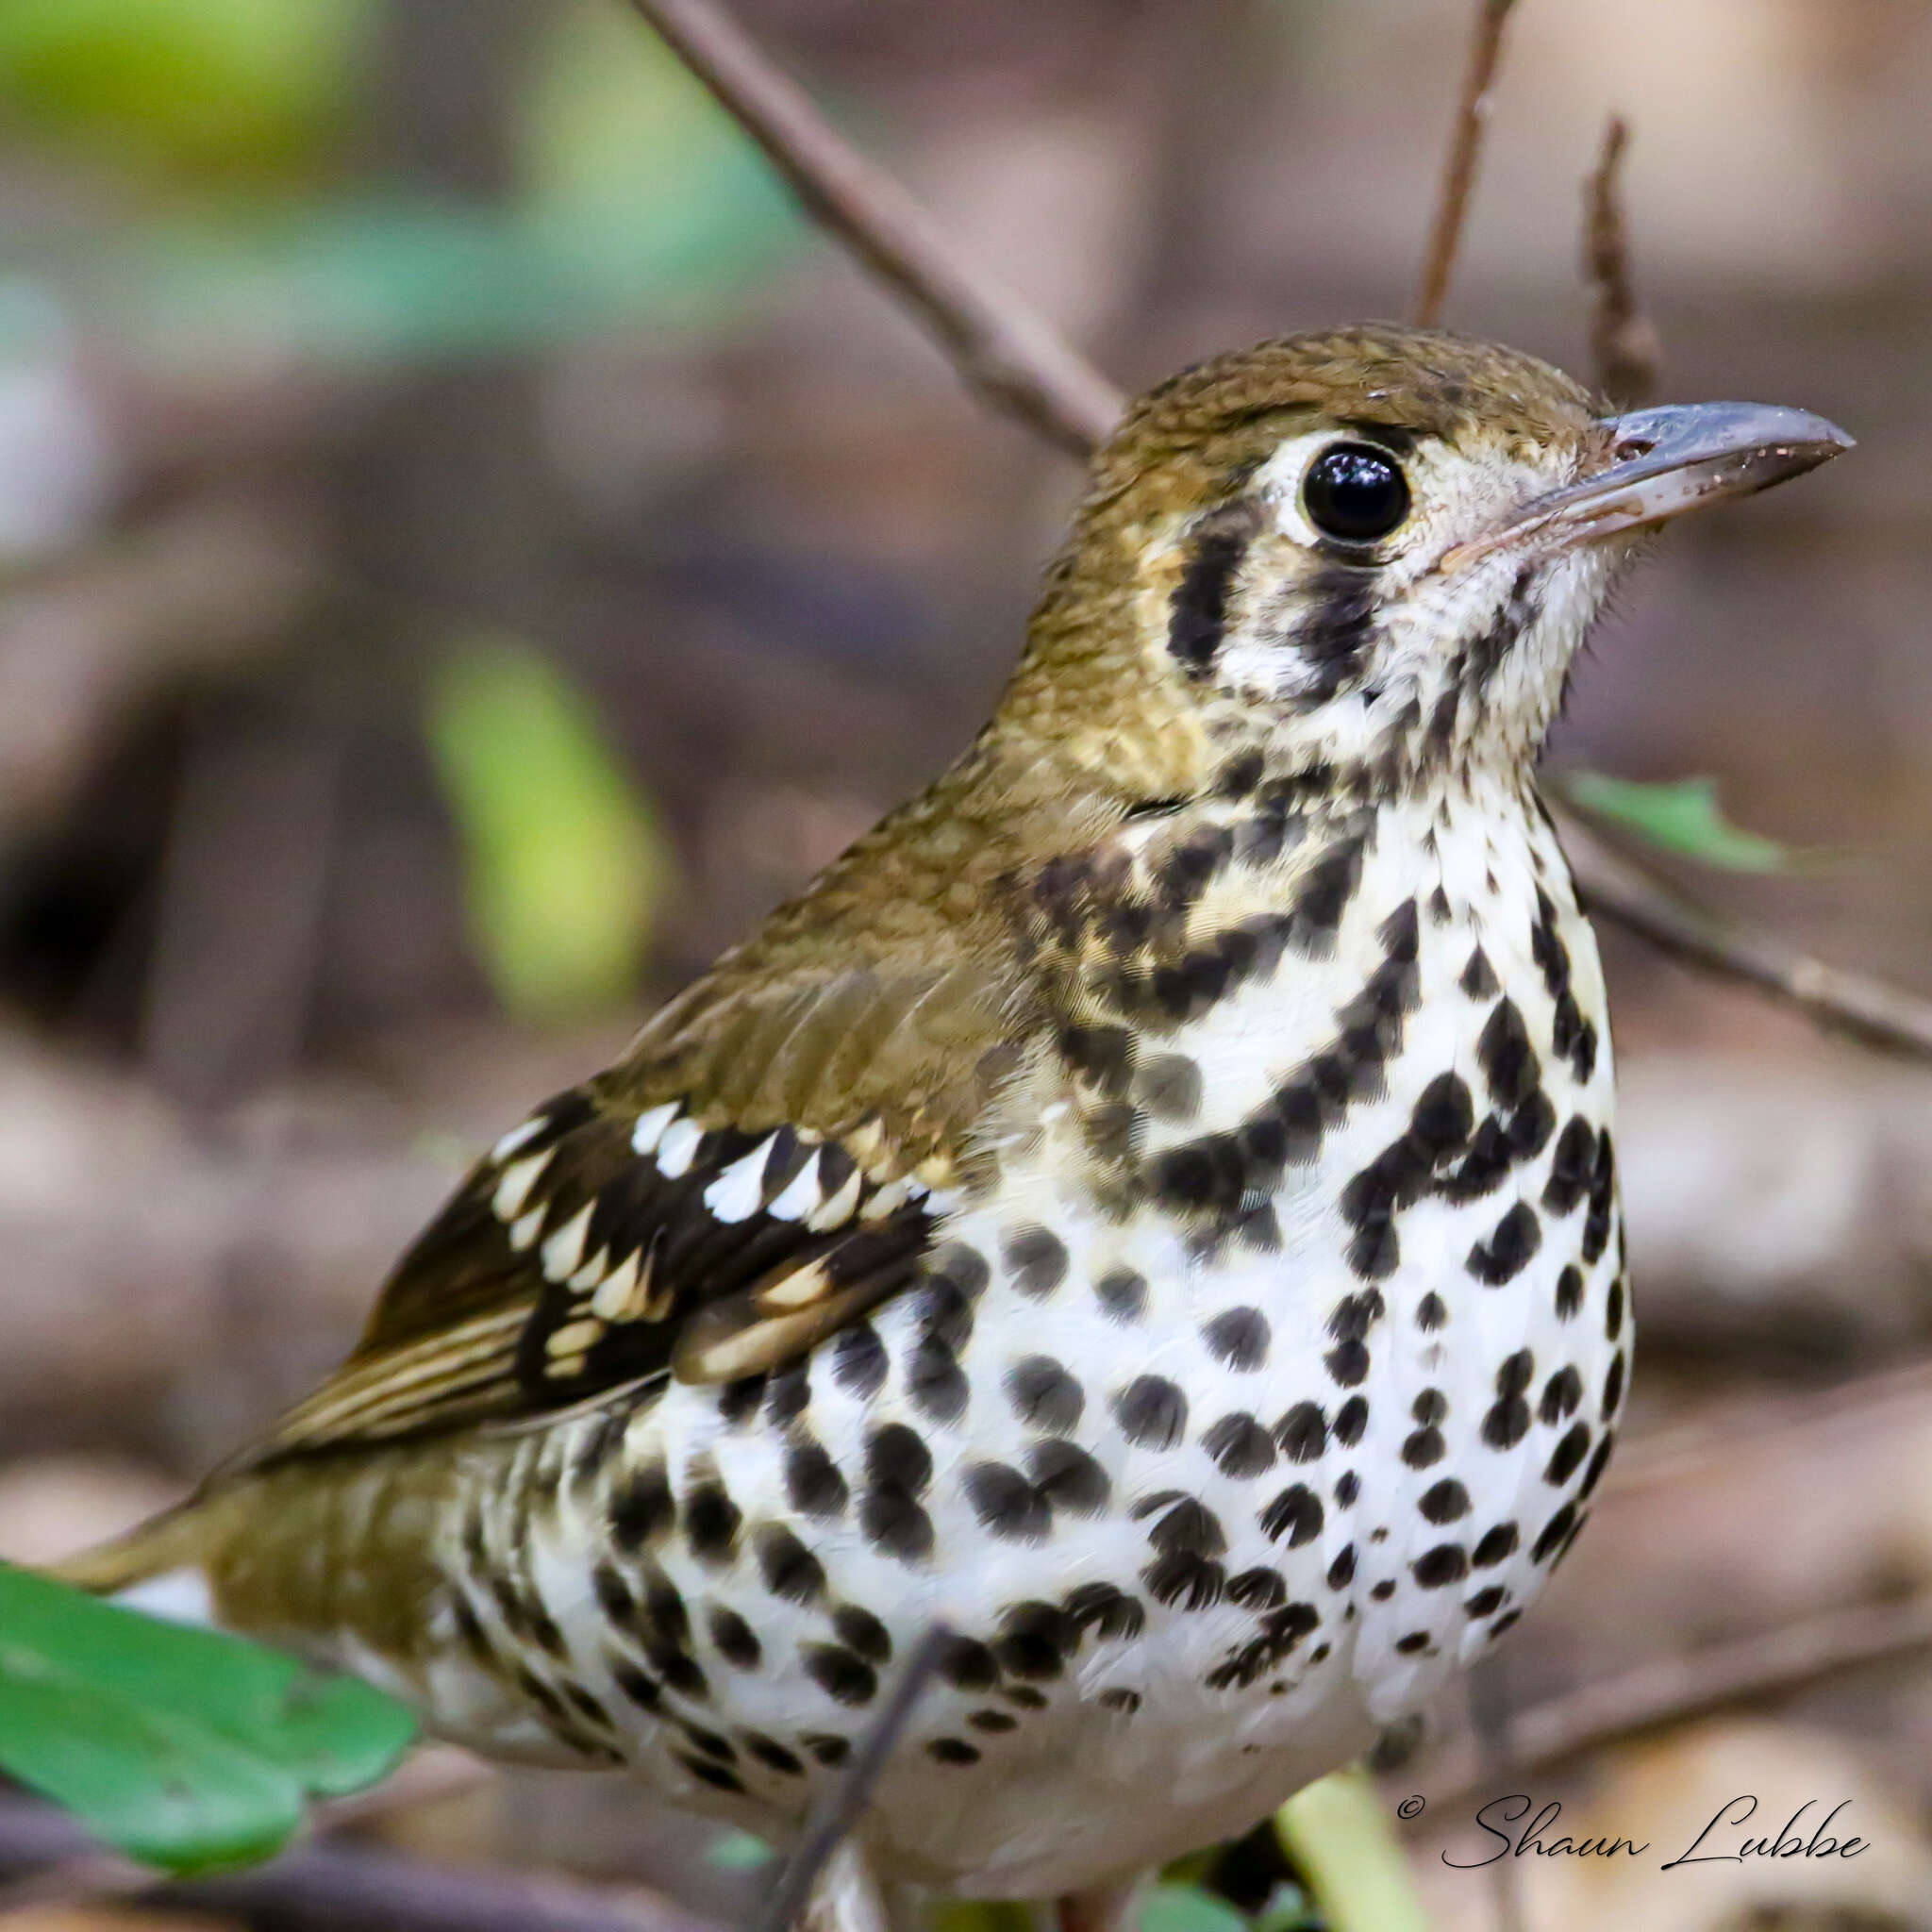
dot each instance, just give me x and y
(518, 1137)
(526, 1231)
(678, 1148)
(616, 1297)
(650, 1127)
(591, 1273)
(736, 1194)
(800, 1196)
(564, 1251)
(837, 1210)
(513, 1189)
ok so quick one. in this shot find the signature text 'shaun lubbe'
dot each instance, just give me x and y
(1516, 1826)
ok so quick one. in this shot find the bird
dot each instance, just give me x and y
(1147, 1212)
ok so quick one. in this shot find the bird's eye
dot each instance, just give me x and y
(1355, 492)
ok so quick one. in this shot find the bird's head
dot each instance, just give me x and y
(1374, 551)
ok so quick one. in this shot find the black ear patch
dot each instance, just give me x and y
(1197, 619)
(1341, 606)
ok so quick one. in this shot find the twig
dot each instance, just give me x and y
(1012, 355)
(1863, 1009)
(841, 1807)
(1673, 1690)
(1004, 350)
(345, 1887)
(1622, 340)
(1459, 166)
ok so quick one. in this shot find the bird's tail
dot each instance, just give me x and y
(162, 1565)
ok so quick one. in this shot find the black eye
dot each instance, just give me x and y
(1355, 492)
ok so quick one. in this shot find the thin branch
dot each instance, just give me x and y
(1863, 1009)
(841, 1807)
(1013, 356)
(1465, 152)
(1010, 354)
(1676, 1689)
(1622, 340)
(349, 1888)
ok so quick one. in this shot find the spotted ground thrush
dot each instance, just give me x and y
(1150, 1203)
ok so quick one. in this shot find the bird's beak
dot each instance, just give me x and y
(1658, 463)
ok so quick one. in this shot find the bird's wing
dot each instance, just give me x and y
(764, 1166)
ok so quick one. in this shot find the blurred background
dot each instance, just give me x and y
(467, 548)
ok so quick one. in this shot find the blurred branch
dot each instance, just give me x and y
(840, 1809)
(1623, 340)
(1863, 1009)
(1675, 1689)
(1460, 165)
(1012, 355)
(345, 1887)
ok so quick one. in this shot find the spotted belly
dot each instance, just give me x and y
(1207, 1484)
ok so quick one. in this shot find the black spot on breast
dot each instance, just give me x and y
(1008, 1505)
(1569, 1292)
(790, 1569)
(1342, 1571)
(1035, 1638)
(787, 1393)
(1125, 1702)
(1560, 1396)
(968, 1664)
(1043, 1395)
(1348, 1363)
(1351, 1419)
(1109, 1612)
(773, 1755)
(828, 1750)
(1415, 1641)
(1573, 1166)
(1478, 978)
(1123, 1294)
(1599, 1461)
(1431, 1312)
(1348, 1486)
(641, 1509)
(1068, 1478)
(1444, 1502)
(1152, 1412)
(1422, 1448)
(708, 1773)
(813, 1481)
(861, 1631)
(1603, 1201)
(895, 1523)
(1511, 1245)
(858, 1359)
(710, 1522)
(992, 1721)
(1240, 1445)
(1613, 1387)
(1036, 1258)
(1567, 1454)
(1303, 1432)
(951, 1750)
(934, 1382)
(1496, 1546)
(1256, 1589)
(1549, 1540)
(1324, 891)
(1445, 1564)
(1239, 1336)
(1507, 1060)
(1296, 1515)
(897, 1456)
(736, 1641)
(843, 1675)
(1197, 616)
(1613, 1311)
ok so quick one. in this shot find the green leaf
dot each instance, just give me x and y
(737, 1851)
(229, 88)
(564, 865)
(183, 1748)
(1680, 816)
(1187, 1908)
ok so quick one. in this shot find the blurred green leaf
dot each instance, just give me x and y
(1337, 1835)
(223, 87)
(1171, 1907)
(563, 859)
(639, 198)
(183, 1748)
(737, 1851)
(1680, 816)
